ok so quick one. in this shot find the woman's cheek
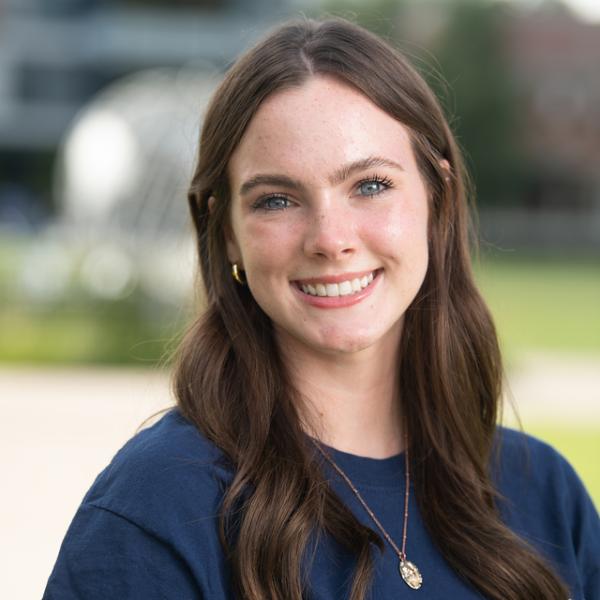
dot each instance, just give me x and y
(272, 239)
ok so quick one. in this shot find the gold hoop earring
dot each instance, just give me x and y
(235, 272)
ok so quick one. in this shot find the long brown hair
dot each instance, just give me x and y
(230, 381)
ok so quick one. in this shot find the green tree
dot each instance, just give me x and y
(379, 16)
(480, 98)
(466, 65)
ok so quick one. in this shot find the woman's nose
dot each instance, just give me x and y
(331, 234)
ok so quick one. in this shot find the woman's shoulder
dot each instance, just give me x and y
(543, 500)
(149, 527)
(514, 445)
(536, 482)
(519, 454)
(524, 463)
(170, 462)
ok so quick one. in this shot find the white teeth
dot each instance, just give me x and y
(333, 290)
(345, 288)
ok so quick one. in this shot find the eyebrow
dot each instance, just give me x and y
(339, 176)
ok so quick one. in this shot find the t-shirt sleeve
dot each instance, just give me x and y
(585, 528)
(105, 555)
(546, 503)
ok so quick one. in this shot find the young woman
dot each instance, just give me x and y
(336, 430)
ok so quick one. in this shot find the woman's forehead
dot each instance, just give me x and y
(318, 127)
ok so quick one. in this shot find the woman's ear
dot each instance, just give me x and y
(232, 247)
(446, 168)
(233, 250)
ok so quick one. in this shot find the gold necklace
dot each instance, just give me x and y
(408, 570)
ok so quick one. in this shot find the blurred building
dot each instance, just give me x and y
(549, 71)
(555, 58)
(55, 55)
(100, 106)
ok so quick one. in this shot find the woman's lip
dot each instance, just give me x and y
(339, 301)
(325, 279)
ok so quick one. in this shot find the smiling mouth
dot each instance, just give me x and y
(342, 288)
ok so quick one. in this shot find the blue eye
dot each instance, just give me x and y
(271, 203)
(370, 187)
(374, 186)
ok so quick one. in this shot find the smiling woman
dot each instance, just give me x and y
(336, 432)
(320, 179)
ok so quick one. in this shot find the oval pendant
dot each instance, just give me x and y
(410, 574)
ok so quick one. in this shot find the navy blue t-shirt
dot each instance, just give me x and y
(148, 527)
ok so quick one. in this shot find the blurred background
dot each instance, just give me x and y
(100, 106)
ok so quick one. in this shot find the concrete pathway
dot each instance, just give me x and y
(60, 427)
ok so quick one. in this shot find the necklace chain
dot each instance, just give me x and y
(408, 571)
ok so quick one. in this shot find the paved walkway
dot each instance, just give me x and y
(551, 387)
(60, 427)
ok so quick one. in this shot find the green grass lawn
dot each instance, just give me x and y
(543, 304)
(84, 336)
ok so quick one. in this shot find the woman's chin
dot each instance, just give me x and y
(337, 340)
(347, 340)
(344, 343)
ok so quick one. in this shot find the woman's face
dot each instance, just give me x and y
(328, 218)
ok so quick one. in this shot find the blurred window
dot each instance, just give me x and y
(57, 83)
(212, 4)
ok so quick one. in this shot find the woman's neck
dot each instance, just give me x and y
(350, 399)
